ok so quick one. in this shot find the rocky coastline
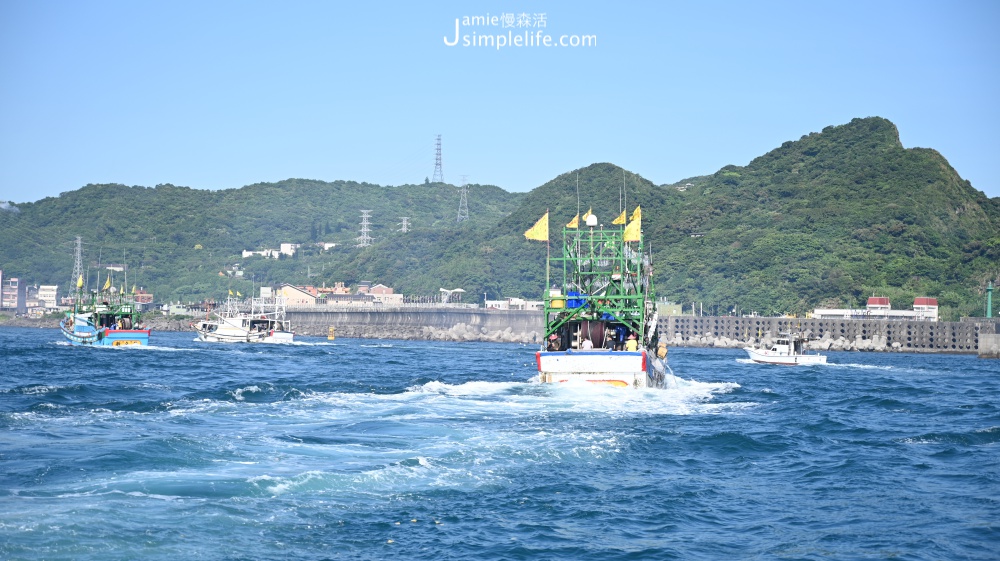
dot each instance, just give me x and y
(457, 333)
(825, 343)
(155, 323)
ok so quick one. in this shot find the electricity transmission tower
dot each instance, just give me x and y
(404, 226)
(77, 265)
(463, 203)
(365, 240)
(438, 172)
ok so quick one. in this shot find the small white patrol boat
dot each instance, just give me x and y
(787, 349)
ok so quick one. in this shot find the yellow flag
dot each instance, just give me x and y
(238, 294)
(586, 215)
(620, 219)
(133, 289)
(575, 223)
(636, 214)
(230, 292)
(107, 283)
(633, 230)
(79, 282)
(540, 231)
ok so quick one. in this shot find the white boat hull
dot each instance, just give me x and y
(765, 356)
(230, 338)
(619, 369)
(226, 332)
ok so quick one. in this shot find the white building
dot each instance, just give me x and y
(386, 295)
(879, 307)
(49, 294)
(515, 304)
(284, 249)
(273, 253)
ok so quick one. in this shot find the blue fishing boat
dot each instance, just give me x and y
(108, 317)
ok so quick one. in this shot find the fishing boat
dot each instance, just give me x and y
(600, 313)
(256, 320)
(109, 318)
(786, 349)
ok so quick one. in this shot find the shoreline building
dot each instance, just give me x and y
(879, 307)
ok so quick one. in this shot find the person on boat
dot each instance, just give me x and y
(632, 344)
(620, 333)
(553, 342)
(586, 344)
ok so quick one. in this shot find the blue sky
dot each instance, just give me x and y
(218, 95)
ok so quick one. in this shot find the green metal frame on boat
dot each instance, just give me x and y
(604, 278)
(105, 303)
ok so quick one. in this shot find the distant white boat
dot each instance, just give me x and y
(258, 320)
(787, 349)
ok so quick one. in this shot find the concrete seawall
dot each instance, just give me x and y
(442, 324)
(989, 345)
(521, 326)
(973, 336)
(831, 334)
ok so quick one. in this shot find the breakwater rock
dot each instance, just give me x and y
(825, 343)
(457, 332)
(40, 323)
(150, 321)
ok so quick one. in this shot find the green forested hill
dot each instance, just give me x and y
(177, 240)
(831, 219)
(825, 220)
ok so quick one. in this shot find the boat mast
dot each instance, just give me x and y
(621, 205)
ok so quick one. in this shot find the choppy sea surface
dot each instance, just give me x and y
(365, 449)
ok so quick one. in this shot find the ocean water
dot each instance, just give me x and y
(363, 449)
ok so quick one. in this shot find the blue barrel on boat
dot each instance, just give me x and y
(574, 300)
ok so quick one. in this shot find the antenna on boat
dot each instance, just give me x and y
(548, 254)
(578, 193)
(624, 190)
(621, 207)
